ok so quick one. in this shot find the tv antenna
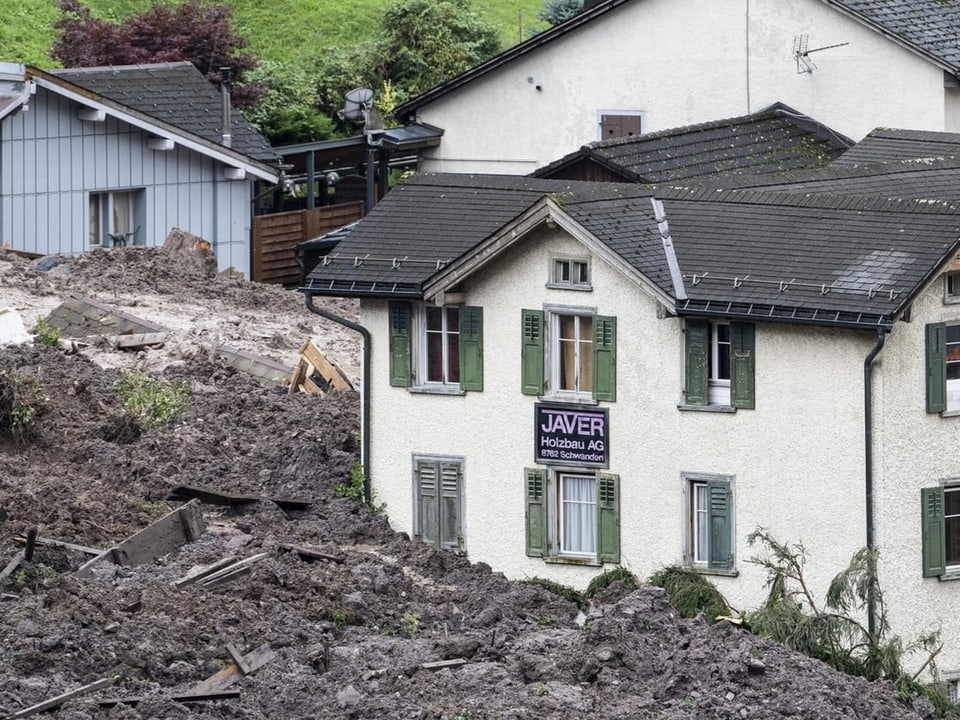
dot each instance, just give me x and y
(801, 53)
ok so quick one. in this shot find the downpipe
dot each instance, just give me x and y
(365, 389)
(868, 461)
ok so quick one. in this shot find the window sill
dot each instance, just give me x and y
(562, 286)
(950, 413)
(436, 390)
(569, 560)
(950, 575)
(687, 407)
(569, 399)
(702, 570)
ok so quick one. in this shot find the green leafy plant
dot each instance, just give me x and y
(604, 580)
(22, 402)
(567, 593)
(46, 334)
(155, 402)
(354, 490)
(690, 593)
(410, 624)
(832, 632)
(339, 617)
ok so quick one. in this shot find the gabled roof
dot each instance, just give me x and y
(774, 140)
(886, 144)
(926, 27)
(176, 93)
(833, 260)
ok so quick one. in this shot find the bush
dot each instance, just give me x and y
(563, 591)
(606, 579)
(22, 402)
(47, 334)
(154, 402)
(690, 593)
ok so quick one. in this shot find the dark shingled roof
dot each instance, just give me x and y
(774, 140)
(885, 144)
(175, 93)
(929, 27)
(836, 260)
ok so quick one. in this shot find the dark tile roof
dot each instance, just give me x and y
(774, 140)
(884, 144)
(930, 27)
(839, 260)
(174, 93)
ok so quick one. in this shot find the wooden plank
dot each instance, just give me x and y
(137, 340)
(438, 664)
(309, 554)
(237, 657)
(299, 374)
(51, 542)
(331, 373)
(216, 497)
(60, 699)
(11, 566)
(230, 570)
(231, 674)
(190, 698)
(203, 572)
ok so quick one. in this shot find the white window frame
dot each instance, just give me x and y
(952, 680)
(422, 355)
(103, 218)
(556, 515)
(554, 353)
(952, 489)
(719, 361)
(577, 271)
(691, 481)
(951, 287)
(953, 385)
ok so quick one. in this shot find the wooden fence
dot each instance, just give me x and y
(274, 237)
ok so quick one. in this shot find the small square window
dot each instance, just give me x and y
(570, 274)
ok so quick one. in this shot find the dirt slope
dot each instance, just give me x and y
(351, 633)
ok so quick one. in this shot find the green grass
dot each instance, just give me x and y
(281, 30)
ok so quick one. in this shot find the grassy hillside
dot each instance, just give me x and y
(279, 30)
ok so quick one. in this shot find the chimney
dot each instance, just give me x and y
(225, 94)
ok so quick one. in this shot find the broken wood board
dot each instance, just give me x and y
(438, 664)
(313, 363)
(11, 566)
(230, 572)
(60, 699)
(309, 554)
(51, 542)
(231, 674)
(167, 534)
(204, 571)
(187, 698)
(216, 497)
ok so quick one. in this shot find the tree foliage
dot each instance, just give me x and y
(288, 111)
(193, 31)
(556, 11)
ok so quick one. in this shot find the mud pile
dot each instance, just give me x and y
(334, 614)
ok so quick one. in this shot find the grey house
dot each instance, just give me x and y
(97, 157)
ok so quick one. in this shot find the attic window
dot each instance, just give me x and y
(570, 274)
(617, 124)
(951, 287)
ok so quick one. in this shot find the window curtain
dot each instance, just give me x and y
(579, 514)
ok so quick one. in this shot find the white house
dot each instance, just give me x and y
(96, 156)
(567, 376)
(624, 67)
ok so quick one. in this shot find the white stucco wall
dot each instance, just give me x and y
(795, 473)
(679, 64)
(914, 450)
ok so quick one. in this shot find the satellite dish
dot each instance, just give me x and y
(359, 102)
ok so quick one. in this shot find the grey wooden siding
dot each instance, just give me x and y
(50, 161)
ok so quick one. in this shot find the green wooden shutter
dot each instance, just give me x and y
(741, 365)
(608, 517)
(934, 537)
(427, 504)
(450, 534)
(471, 348)
(400, 342)
(536, 515)
(936, 367)
(605, 358)
(720, 523)
(697, 340)
(532, 353)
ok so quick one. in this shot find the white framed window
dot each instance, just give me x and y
(708, 521)
(573, 515)
(951, 526)
(571, 354)
(570, 274)
(951, 287)
(953, 690)
(940, 524)
(112, 218)
(952, 360)
(719, 362)
(440, 351)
